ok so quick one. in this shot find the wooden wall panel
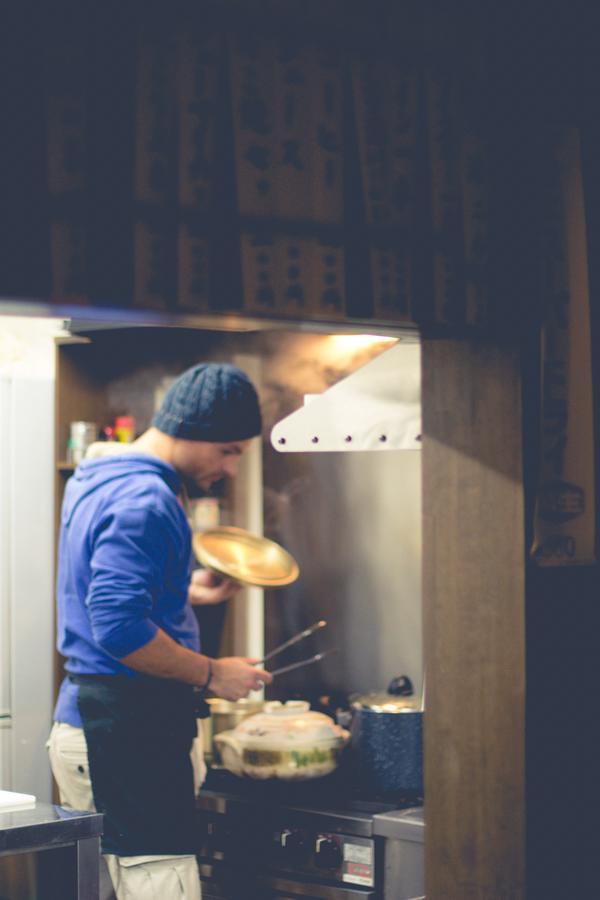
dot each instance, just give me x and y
(474, 621)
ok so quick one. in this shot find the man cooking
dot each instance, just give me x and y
(124, 738)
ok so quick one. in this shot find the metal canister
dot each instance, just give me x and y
(225, 715)
(81, 435)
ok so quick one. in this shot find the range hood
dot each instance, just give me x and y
(378, 407)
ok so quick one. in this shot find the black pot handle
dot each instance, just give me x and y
(401, 686)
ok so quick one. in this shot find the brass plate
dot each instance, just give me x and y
(245, 557)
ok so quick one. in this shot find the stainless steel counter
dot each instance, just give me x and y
(404, 830)
(71, 870)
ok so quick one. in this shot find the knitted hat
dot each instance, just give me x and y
(213, 402)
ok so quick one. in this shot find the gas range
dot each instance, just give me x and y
(276, 840)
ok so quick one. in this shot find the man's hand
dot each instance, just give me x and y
(207, 588)
(233, 677)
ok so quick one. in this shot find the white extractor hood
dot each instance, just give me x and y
(378, 407)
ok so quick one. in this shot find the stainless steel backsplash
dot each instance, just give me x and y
(353, 522)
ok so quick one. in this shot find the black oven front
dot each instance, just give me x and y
(262, 855)
(217, 885)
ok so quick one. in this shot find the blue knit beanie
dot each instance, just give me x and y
(213, 402)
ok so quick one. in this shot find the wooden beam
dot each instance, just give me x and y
(474, 621)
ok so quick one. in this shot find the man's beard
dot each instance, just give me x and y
(195, 491)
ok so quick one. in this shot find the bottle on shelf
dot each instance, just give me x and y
(125, 429)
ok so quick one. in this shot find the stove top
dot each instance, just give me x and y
(336, 797)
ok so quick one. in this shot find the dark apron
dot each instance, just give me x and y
(139, 734)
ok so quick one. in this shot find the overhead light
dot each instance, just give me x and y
(350, 343)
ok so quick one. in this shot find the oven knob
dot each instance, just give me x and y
(293, 845)
(327, 853)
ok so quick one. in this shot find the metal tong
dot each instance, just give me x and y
(294, 640)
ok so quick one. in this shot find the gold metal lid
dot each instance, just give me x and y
(245, 557)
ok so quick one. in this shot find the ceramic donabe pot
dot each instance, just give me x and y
(286, 740)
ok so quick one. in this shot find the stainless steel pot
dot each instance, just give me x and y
(387, 739)
(225, 715)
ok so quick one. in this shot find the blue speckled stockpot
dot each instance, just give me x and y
(388, 748)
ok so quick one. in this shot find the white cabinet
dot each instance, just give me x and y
(26, 582)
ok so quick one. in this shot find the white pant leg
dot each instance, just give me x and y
(197, 757)
(155, 877)
(67, 749)
(133, 877)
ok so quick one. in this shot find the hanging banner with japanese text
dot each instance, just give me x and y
(197, 77)
(385, 96)
(288, 129)
(155, 171)
(564, 527)
(67, 173)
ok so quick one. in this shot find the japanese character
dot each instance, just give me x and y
(400, 192)
(263, 186)
(291, 150)
(265, 296)
(295, 292)
(72, 155)
(293, 75)
(332, 298)
(327, 139)
(289, 110)
(258, 156)
(158, 175)
(329, 97)
(253, 114)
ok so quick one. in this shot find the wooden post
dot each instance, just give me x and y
(474, 621)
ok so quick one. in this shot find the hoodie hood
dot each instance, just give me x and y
(93, 474)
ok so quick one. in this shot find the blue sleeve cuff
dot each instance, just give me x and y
(127, 639)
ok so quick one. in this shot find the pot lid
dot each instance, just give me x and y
(245, 557)
(384, 703)
(287, 724)
(399, 697)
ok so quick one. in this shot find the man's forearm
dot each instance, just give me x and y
(165, 658)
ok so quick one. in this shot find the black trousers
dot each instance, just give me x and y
(139, 733)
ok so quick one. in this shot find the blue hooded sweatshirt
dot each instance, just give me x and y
(123, 569)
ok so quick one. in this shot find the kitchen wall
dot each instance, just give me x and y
(353, 522)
